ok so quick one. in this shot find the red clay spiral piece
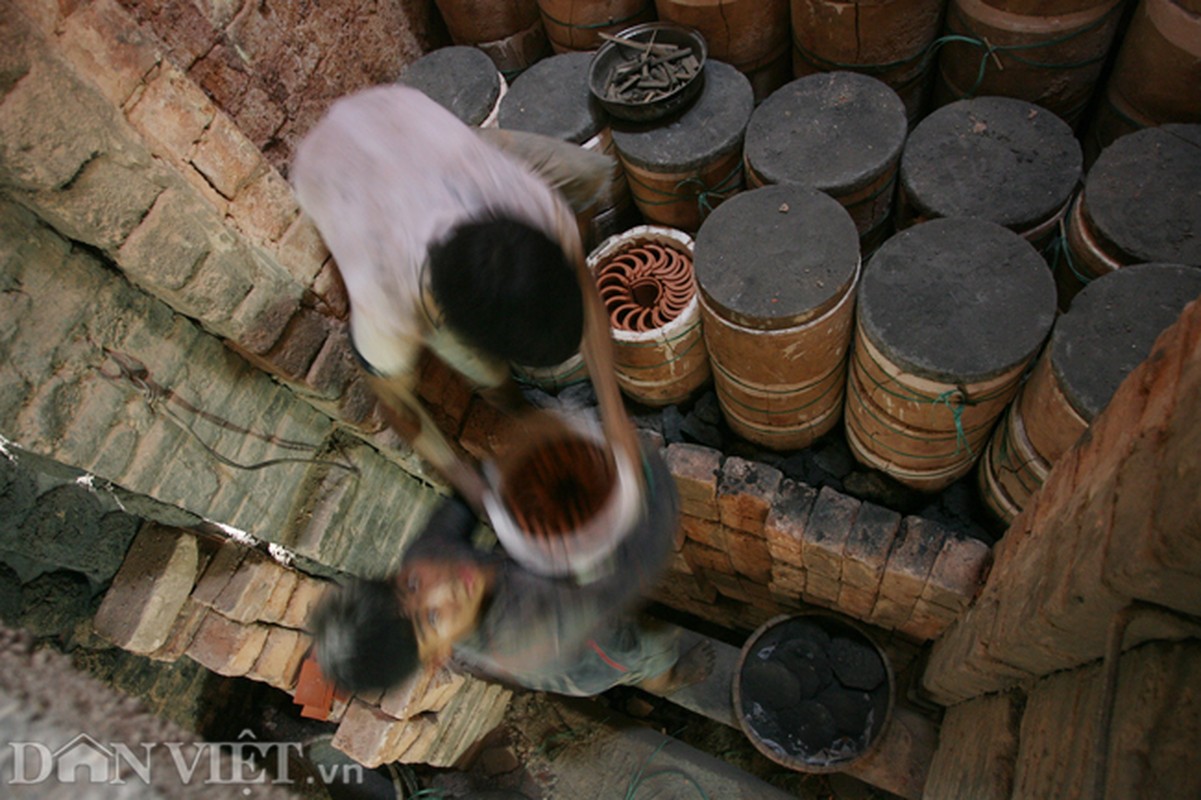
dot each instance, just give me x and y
(646, 286)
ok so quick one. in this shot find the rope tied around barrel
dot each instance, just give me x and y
(956, 400)
(611, 22)
(1060, 250)
(730, 185)
(973, 39)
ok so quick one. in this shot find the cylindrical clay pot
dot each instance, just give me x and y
(461, 79)
(777, 269)
(578, 24)
(950, 312)
(509, 32)
(839, 132)
(645, 279)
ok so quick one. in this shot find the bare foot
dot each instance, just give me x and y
(692, 667)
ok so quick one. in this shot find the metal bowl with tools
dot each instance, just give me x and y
(648, 71)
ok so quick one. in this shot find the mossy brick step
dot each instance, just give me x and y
(777, 256)
(1112, 326)
(552, 98)
(1142, 196)
(836, 131)
(956, 300)
(996, 158)
(461, 79)
(711, 127)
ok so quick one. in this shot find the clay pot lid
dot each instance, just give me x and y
(552, 98)
(996, 158)
(776, 257)
(709, 128)
(1143, 195)
(956, 300)
(837, 131)
(1111, 327)
(461, 79)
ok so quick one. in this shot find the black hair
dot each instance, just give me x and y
(362, 640)
(508, 289)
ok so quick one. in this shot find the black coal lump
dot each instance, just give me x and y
(856, 663)
(849, 708)
(812, 725)
(808, 661)
(770, 684)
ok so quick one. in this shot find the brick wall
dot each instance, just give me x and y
(1116, 522)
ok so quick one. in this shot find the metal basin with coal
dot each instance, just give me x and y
(813, 692)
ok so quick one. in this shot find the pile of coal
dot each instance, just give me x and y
(814, 690)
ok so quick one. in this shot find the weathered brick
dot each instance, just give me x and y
(926, 622)
(246, 593)
(784, 528)
(227, 647)
(868, 545)
(171, 113)
(957, 574)
(225, 157)
(370, 736)
(447, 393)
(148, 592)
(787, 579)
(702, 531)
(826, 532)
(821, 589)
(304, 599)
(977, 752)
(911, 560)
(107, 46)
(330, 289)
(167, 248)
(749, 556)
(422, 692)
(293, 355)
(745, 491)
(279, 662)
(1050, 764)
(858, 603)
(302, 251)
(182, 632)
(220, 571)
(695, 469)
(277, 602)
(264, 209)
(707, 559)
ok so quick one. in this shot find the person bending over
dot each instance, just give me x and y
(461, 241)
(498, 620)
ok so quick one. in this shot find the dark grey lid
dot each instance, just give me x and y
(956, 300)
(552, 98)
(461, 79)
(1143, 194)
(777, 256)
(838, 131)
(995, 158)
(709, 128)
(1111, 326)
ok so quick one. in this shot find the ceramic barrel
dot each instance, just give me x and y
(996, 158)
(509, 32)
(1049, 52)
(840, 132)
(950, 314)
(646, 281)
(552, 98)
(1109, 330)
(577, 25)
(681, 168)
(1155, 75)
(461, 79)
(1133, 208)
(750, 35)
(777, 269)
(887, 39)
